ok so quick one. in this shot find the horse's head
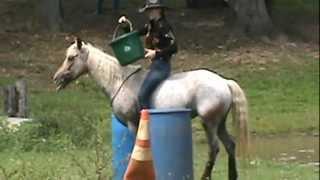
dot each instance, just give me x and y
(74, 65)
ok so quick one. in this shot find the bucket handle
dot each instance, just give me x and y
(116, 31)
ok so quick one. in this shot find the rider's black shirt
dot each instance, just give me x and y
(160, 37)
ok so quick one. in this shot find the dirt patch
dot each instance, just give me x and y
(203, 37)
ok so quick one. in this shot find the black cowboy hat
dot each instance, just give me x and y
(152, 4)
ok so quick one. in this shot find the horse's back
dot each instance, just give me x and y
(199, 78)
(186, 88)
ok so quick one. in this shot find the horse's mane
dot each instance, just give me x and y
(102, 53)
(109, 65)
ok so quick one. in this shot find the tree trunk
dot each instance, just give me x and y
(99, 6)
(252, 17)
(51, 12)
(205, 3)
(269, 6)
(21, 87)
(192, 3)
(219, 3)
(61, 9)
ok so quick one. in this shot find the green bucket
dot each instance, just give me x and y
(127, 48)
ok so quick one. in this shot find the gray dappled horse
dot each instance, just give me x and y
(208, 95)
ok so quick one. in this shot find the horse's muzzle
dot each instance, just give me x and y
(62, 79)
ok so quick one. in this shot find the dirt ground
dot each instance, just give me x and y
(204, 37)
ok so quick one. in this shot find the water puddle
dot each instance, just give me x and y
(303, 149)
(298, 148)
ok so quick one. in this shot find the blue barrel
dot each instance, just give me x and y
(171, 143)
(122, 144)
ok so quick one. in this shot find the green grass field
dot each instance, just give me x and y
(79, 164)
(70, 136)
(283, 97)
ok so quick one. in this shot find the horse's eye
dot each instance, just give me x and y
(71, 58)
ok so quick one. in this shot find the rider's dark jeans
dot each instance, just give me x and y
(159, 70)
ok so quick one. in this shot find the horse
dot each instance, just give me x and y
(208, 95)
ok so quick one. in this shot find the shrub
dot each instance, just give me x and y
(29, 136)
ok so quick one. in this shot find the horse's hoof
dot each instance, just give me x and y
(206, 178)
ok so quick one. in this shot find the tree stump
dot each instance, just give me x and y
(21, 89)
(11, 105)
(15, 99)
(4, 93)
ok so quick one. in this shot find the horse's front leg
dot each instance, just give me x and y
(133, 127)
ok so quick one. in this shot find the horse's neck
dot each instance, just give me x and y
(105, 70)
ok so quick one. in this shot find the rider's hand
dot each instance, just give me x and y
(125, 23)
(123, 19)
(150, 54)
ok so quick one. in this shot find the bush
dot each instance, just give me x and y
(29, 137)
(72, 112)
(61, 120)
(48, 133)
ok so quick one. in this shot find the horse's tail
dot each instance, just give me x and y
(240, 117)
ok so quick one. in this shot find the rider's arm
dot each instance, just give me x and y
(167, 35)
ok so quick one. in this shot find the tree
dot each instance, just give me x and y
(52, 14)
(252, 16)
(204, 3)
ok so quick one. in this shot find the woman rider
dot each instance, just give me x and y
(160, 46)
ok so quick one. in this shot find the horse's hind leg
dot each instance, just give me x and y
(230, 146)
(213, 143)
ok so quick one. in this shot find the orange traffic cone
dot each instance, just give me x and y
(141, 165)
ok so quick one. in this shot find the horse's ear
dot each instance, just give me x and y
(79, 43)
(70, 39)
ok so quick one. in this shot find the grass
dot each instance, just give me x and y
(311, 7)
(256, 169)
(284, 97)
(37, 166)
(282, 86)
(80, 164)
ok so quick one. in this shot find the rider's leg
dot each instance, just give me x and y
(159, 71)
